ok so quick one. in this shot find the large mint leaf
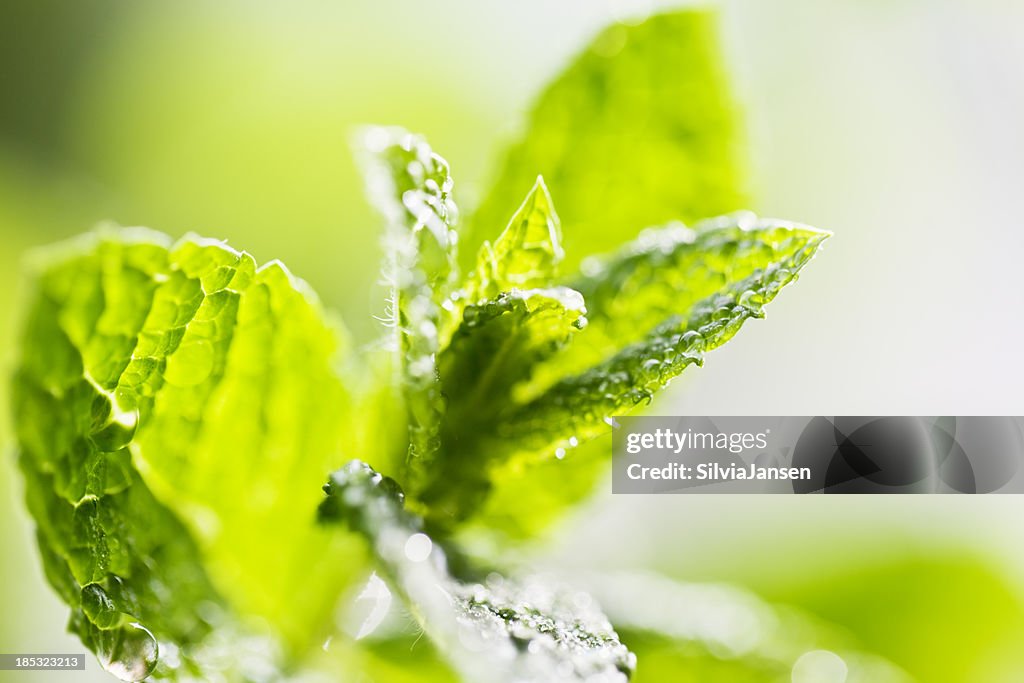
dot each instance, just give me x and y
(667, 272)
(174, 403)
(638, 130)
(411, 186)
(653, 309)
(700, 287)
(498, 630)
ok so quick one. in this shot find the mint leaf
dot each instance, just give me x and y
(515, 505)
(411, 186)
(510, 323)
(153, 379)
(498, 630)
(702, 286)
(638, 130)
(496, 346)
(668, 271)
(498, 343)
(653, 309)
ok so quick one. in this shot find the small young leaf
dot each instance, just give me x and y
(153, 380)
(412, 186)
(527, 253)
(500, 630)
(639, 130)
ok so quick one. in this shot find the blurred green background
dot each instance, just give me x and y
(895, 124)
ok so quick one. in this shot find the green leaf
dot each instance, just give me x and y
(653, 309)
(509, 324)
(497, 345)
(174, 403)
(500, 341)
(527, 253)
(517, 505)
(667, 272)
(698, 287)
(498, 630)
(638, 130)
(411, 186)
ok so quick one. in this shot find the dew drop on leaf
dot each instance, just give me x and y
(129, 652)
(118, 432)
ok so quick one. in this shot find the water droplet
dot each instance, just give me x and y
(692, 338)
(749, 299)
(370, 607)
(560, 453)
(418, 547)
(118, 432)
(129, 652)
